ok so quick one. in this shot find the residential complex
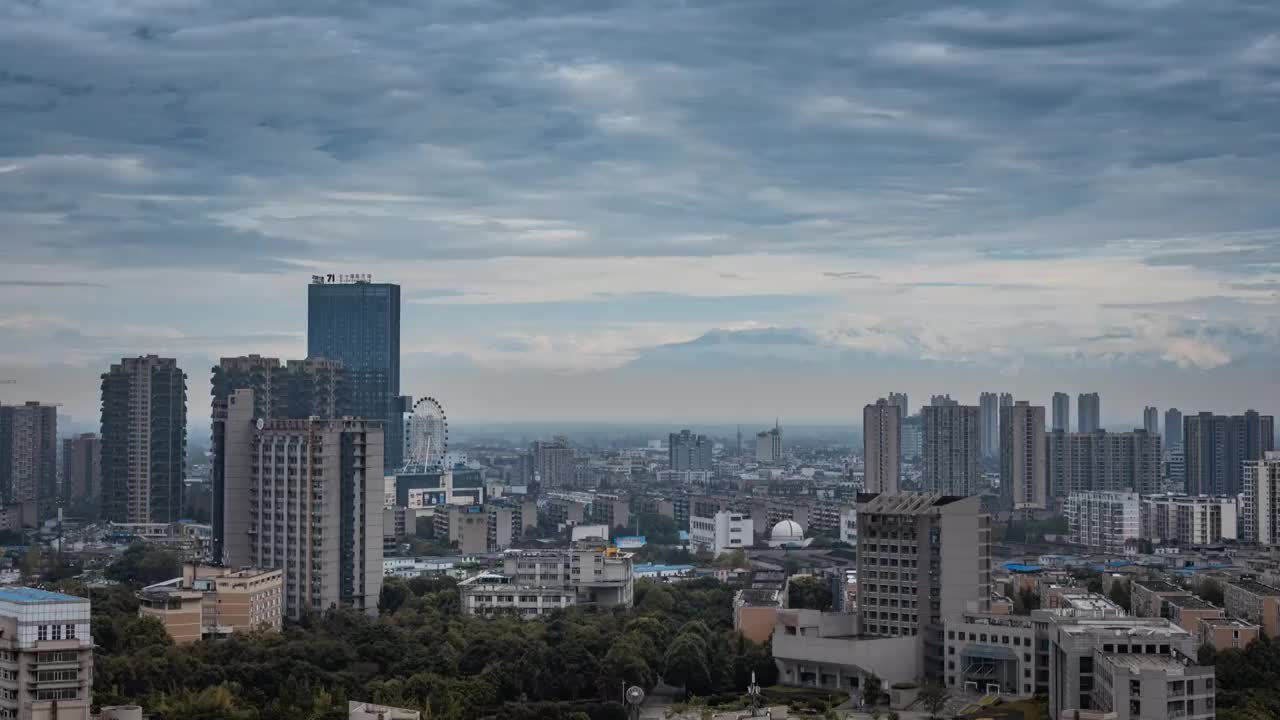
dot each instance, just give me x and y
(1104, 521)
(882, 446)
(537, 582)
(769, 445)
(989, 422)
(1101, 460)
(951, 446)
(552, 463)
(1172, 428)
(1216, 447)
(1151, 421)
(1254, 602)
(1023, 483)
(46, 655)
(1061, 412)
(209, 602)
(81, 470)
(357, 323)
(1089, 412)
(144, 440)
(1260, 500)
(688, 451)
(1189, 520)
(29, 456)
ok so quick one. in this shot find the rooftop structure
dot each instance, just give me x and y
(536, 582)
(47, 649)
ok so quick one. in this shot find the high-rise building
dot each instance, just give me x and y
(912, 438)
(144, 440)
(1061, 412)
(1006, 400)
(900, 399)
(942, 400)
(48, 654)
(1216, 447)
(1172, 429)
(881, 446)
(1190, 520)
(1023, 480)
(306, 497)
(297, 389)
(552, 462)
(1116, 462)
(1089, 410)
(688, 451)
(1103, 521)
(769, 445)
(946, 543)
(29, 456)
(1260, 501)
(989, 421)
(952, 441)
(1151, 420)
(81, 470)
(357, 323)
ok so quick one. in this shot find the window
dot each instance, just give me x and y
(42, 632)
(58, 694)
(57, 632)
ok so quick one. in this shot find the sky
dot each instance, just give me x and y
(654, 209)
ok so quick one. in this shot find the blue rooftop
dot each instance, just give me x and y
(1020, 568)
(30, 596)
(643, 569)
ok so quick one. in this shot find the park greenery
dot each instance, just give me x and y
(1248, 680)
(422, 653)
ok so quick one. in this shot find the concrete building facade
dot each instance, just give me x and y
(725, 531)
(144, 440)
(1118, 462)
(46, 655)
(1172, 428)
(1089, 412)
(1260, 500)
(952, 442)
(1216, 447)
(1023, 480)
(1104, 521)
(689, 451)
(985, 649)
(209, 603)
(537, 582)
(882, 446)
(29, 456)
(1254, 602)
(989, 421)
(1151, 421)
(81, 470)
(1189, 520)
(1061, 413)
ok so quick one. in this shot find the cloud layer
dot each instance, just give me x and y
(568, 187)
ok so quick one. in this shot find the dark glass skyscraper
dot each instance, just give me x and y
(357, 322)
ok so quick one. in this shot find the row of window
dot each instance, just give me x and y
(982, 637)
(56, 632)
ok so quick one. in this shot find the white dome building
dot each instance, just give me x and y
(788, 534)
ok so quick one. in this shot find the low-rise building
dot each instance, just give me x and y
(1148, 597)
(207, 602)
(823, 650)
(536, 582)
(1186, 611)
(1153, 686)
(1224, 633)
(465, 527)
(369, 711)
(726, 531)
(1255, 602)
(986, 650)
(755, 613)
(46, 655)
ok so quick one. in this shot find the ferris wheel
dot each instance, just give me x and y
(427, 436)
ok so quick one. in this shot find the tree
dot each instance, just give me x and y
(211, 703)
(686, 665)
(1210, 591)
(1025, 601)
(1120, 593)
(144, 564)
(871, 690)
(934, 698)
(809, 592)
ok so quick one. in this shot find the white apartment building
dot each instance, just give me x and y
(1104, 520)
(46, 655)
(849, 525)
(537, 582)
(726, 531)
(1189, 519)
(1260, 500)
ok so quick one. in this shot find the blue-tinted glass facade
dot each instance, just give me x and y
(359, 325)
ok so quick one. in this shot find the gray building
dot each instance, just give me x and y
(688, 451)
(1080, 462)
(144, 440)
(901, 400)
(81, 471)
(989, 421)
(305, 496)
(1172, 428)
(985, 649)
(357, 322)
(951, 445)
(1023, 467)
(538, 582)
(912, 438)
(29, 456)
(1061, 412)
(297, 389)
(552, 463)
(1151, 420)
(882, 446)
(1216, 447)
(920, 558)
(1089, 412)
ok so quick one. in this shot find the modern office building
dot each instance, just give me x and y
(46, 655)
(985, 649)
(29, 456)
(1255, 602)
(1089, 412)
(552, 463)
(723, 532)
(81, 470)
(305, 496)
(357, 323)
(882, 446)
(920, 558)
(1260, 500)
(1216, 447)
(466, 527)
(952, 442)
(1190, 520)
(1061, 412)
(769, 445)
(1081, 462)
(1151, 421)
(1172, 429)
(688, 451)
(1104, 521)
(538, 582)
(989, 420)
(296, 389)
(1023, 480)
(211, 602)
(144, 440)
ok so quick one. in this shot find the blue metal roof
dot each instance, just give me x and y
(653, 568)
(28, 595)
(1020, 568)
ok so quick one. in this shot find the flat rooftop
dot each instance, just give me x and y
(1255, 587)
(1228, 622)
(36, 596)
(759, 598)
(1137, 663)
(1190, 602)
(1122, 627)
(1160, 586)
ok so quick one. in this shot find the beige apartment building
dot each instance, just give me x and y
(209, 603)
(46, 655)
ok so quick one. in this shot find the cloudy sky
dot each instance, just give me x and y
(654, 209)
